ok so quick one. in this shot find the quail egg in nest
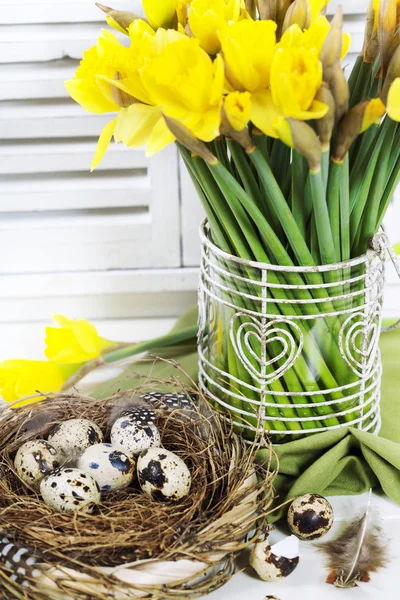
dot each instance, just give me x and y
(132, 437)
(70, 490)
(74, 436)
(310, 517)
(163, 475)
(36, 459)
(111, 468)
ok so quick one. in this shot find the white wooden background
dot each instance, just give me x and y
(118, 246)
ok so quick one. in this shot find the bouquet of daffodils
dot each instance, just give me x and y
(294, 160)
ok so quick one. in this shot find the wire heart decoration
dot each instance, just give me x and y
(359, 339)
(256, 345)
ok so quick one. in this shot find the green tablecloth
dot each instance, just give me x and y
(341, 462)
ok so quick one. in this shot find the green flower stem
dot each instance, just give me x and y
(325, 164)
(345, 212)
(362, 85)
(299, 178)
(334, 206)
(390, 189)
(171, 339)
(323, 224)
(355, 72)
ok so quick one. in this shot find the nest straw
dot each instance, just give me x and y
(133, 545)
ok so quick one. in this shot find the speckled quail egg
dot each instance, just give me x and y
(310, 517)
(163, 475)
(36, 459)
(74, 436)
(143, 415)
(131, 437)
(111, 468)
(273, 563)
(70, 490)
(168, 400)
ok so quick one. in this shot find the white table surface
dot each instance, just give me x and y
(307, 582)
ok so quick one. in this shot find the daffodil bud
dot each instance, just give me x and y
(160, 13)
(119, 96)
(236, 113)
(266, 9)
(393, 73)
(301, 137)
(370, 46)
(299, 13)
(387, 32)
(118, 19)
(282, 6)
(357, 120)
(326, 124)
(251, 8)
(332, 49)
(340, 90)
(185, 137)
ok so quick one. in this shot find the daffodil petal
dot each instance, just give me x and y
(317, 111)
(393, 102)
(345, 45)
(160, 137)
(115, 25)
(219, 79)
(87, 95)
(103, 143)
(264, 112)
(207, 128)
(135, 124)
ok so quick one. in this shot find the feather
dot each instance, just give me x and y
(358, 551)
(125, 402)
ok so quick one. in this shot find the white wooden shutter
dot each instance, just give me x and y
(55, 214)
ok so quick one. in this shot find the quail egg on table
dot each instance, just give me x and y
(273, 563)
(310, 517)
(70, 490)
(111, 468)
(132, 437)
(74, 436)
(36, 459)
(162, 474)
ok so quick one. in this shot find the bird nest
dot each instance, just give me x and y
(133, 546)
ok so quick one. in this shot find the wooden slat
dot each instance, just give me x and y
(36, 80)
(58, 156)
(53, 11)
(48, 119)
(72, 191)
(32, 43)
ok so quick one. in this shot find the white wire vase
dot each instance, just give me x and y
(293, 351)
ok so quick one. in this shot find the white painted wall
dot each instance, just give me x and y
(119, 246)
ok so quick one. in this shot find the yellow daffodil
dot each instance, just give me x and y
(316, 8)
(73, 341)
(208, 17)
(160, 13)
(187, 85)
(182, 11)
(373, 114)
(313, 38)
(237, 106)
(296, 76)
(393, 101)
(20, 378)
(248, 48)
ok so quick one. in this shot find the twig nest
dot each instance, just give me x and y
(111, 468)
(276, 562)
(72, 437)
(310, 517)
(70, 490)
(132, 437)
(162, 474)
(36, 459)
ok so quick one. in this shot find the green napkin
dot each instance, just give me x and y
(341, 462)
